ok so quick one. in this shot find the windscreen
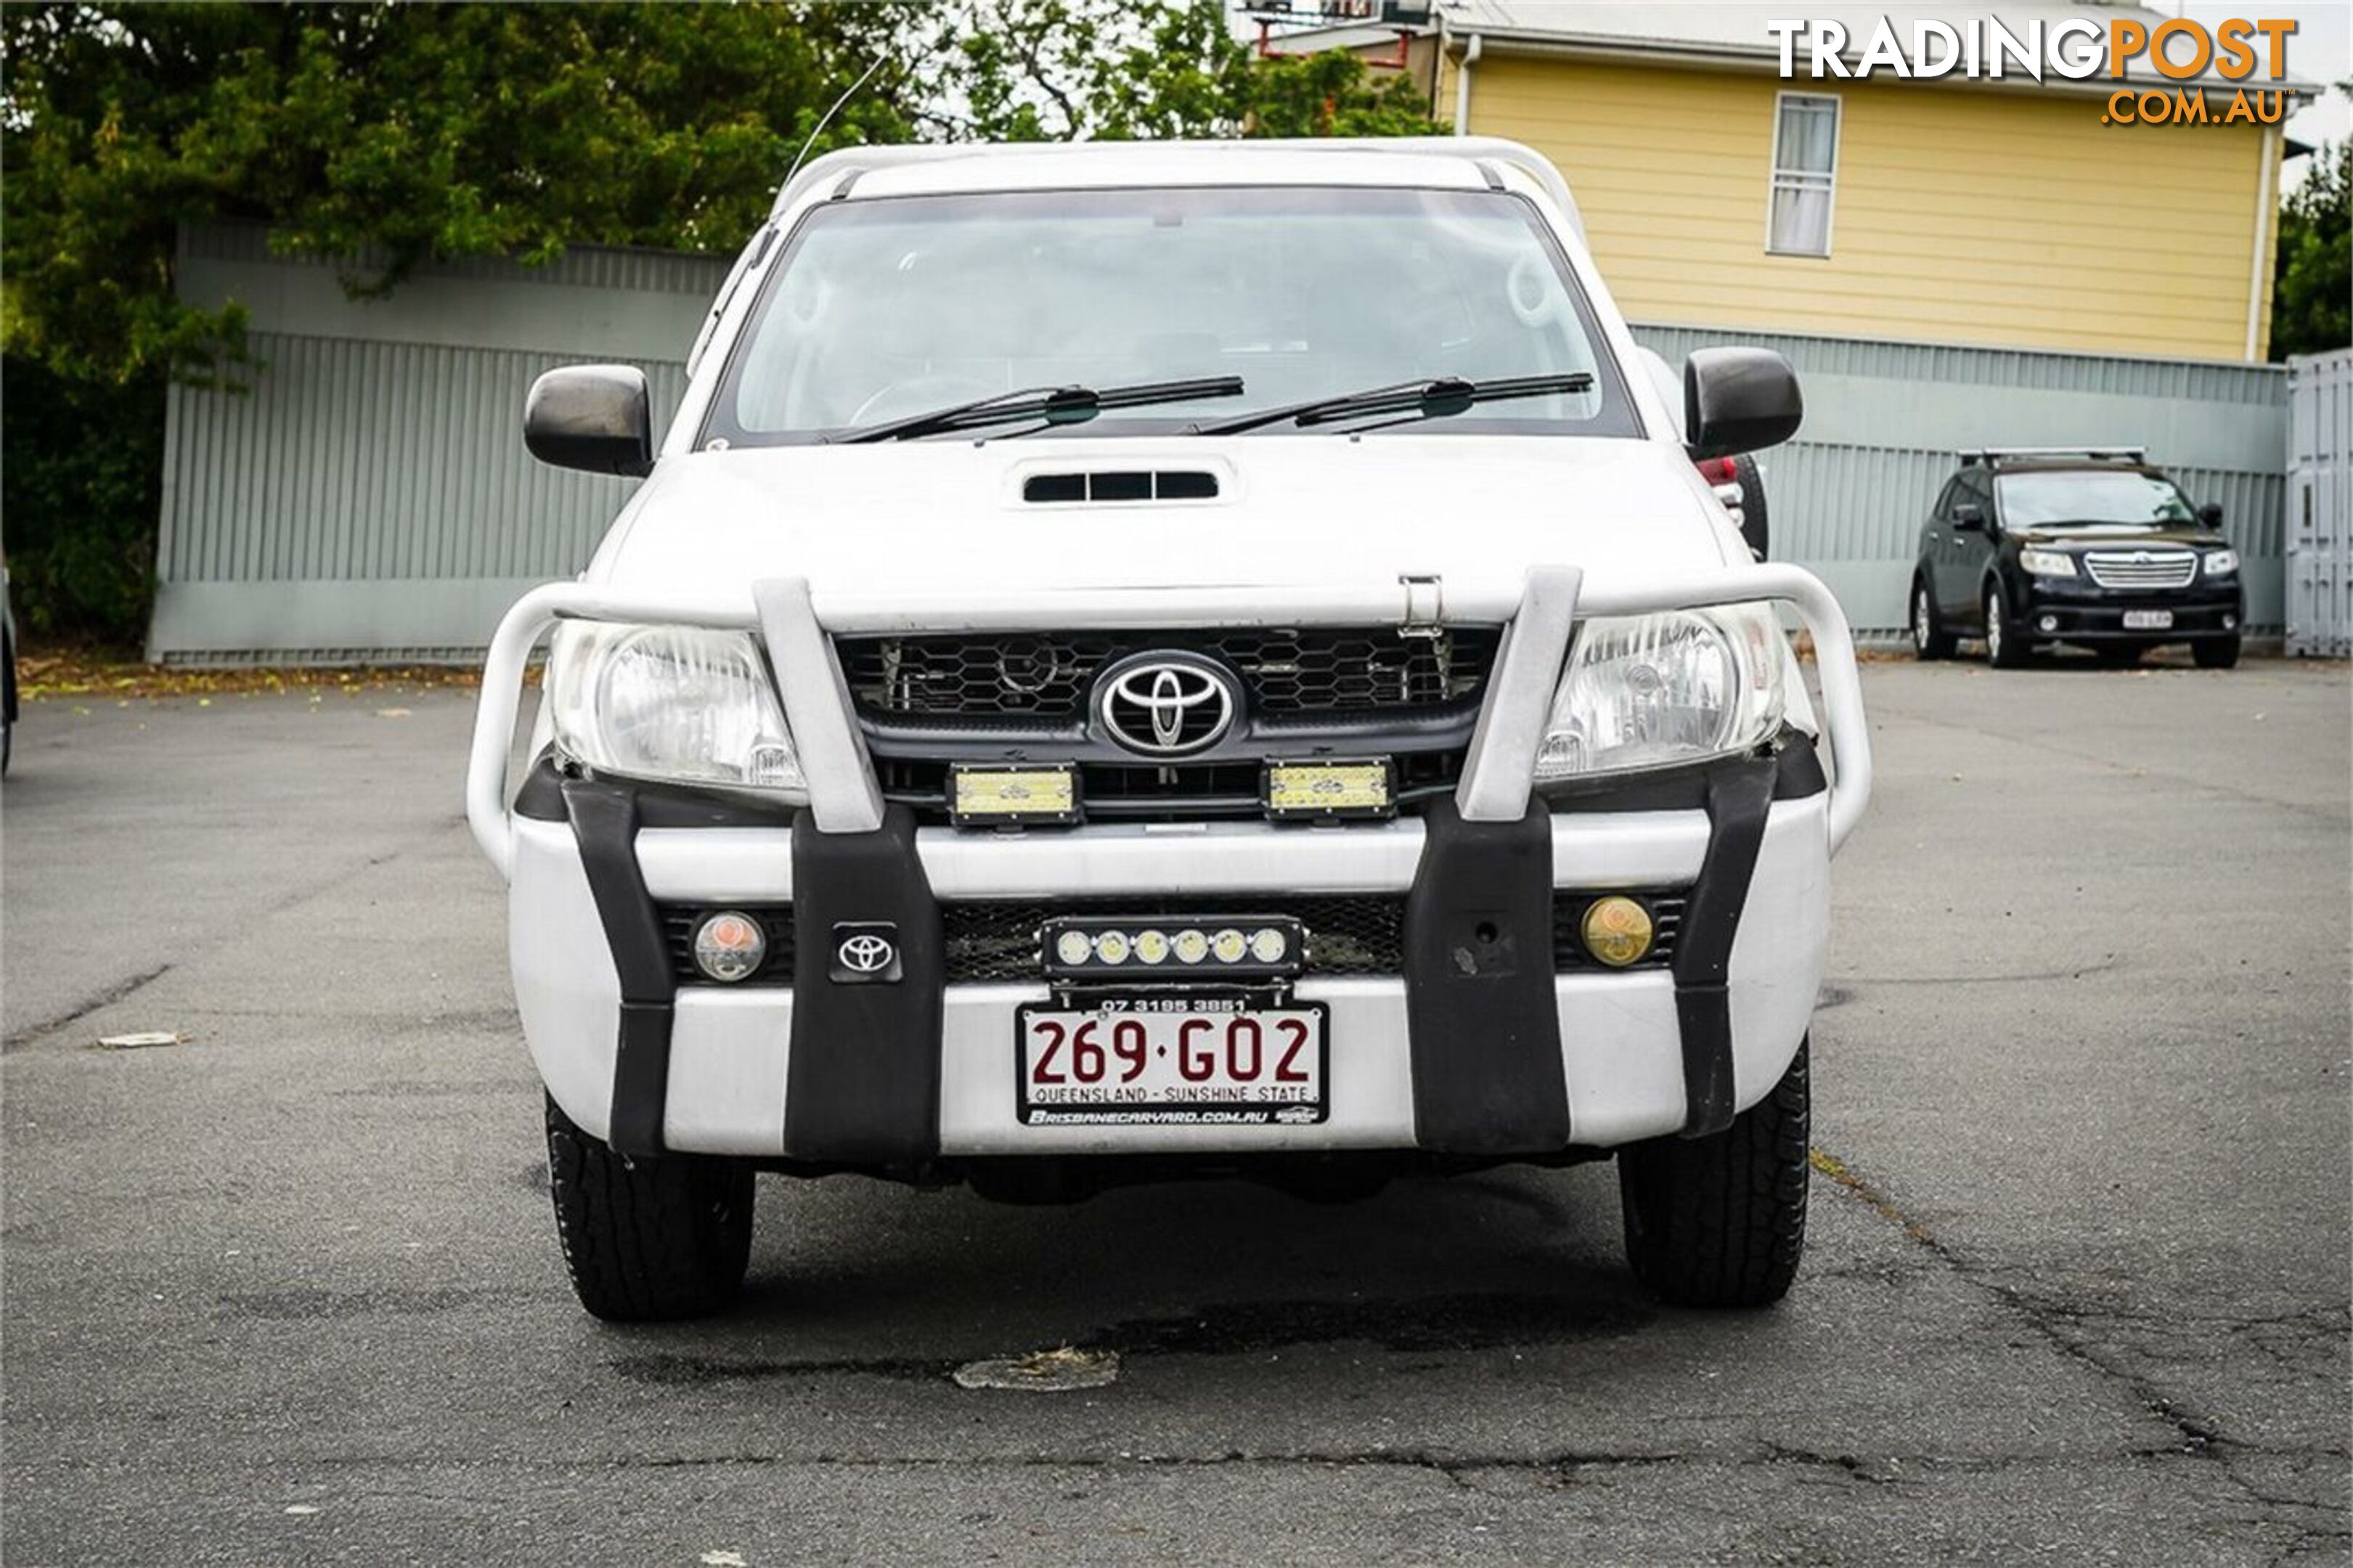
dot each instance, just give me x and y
(884, 308)
(2083, 496)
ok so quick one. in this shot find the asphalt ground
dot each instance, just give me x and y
(2076, 1289)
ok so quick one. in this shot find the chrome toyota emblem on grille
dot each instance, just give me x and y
(1166, 705)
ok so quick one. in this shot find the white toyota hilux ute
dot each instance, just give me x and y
(1169, 660)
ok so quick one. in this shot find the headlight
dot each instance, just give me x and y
(669, 703)
(2221, 563)
(2047, 563)
(1651, 691)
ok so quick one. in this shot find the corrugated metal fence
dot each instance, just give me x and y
(370, 496)
(2320, 505)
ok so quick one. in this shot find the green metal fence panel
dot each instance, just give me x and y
(369, 496)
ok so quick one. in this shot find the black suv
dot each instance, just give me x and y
(2093, 548)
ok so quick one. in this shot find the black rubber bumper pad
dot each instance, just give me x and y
(863, 1088)
(605, 825)
(1739, 797)
(1482, 1021)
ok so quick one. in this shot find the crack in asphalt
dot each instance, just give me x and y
(1467, 1321)
(84, 1008)
(2200, 1438)
(33, 1034)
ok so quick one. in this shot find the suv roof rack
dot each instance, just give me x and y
(2097, 453)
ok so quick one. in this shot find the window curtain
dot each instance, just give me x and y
(1807, 158)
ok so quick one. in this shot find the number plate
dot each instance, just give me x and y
(1171, 1061)
(2149, 620)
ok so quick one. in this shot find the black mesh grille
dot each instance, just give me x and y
(1346, 935)
(1568, 919)
(1045, 675)
(679, 921)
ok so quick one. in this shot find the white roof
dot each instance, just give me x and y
(1442, 162)
(1093, 164)
(1737, 32)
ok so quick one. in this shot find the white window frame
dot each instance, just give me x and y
(1776, 180)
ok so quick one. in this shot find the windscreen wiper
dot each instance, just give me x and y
(1054, 405)
(1419, 399)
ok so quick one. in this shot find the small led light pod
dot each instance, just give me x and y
(1111, 946)
(1616, 931)
(1073, 947)
(1191, 947)
(1152, 946)
(1268, 946)
(1229, 945)
(730, 946)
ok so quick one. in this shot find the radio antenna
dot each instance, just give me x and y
(826, 118)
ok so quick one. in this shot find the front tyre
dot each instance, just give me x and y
(2215, 653)
(648, 1240)
(2006, 645)
(1721, 1221)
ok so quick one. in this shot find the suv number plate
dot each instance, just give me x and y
(1172, 1061)
(2149, 620)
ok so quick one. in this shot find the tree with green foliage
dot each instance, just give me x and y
(1039, 71)
(391, 134)
(378, 135)
(385, 136)
(2312, 279)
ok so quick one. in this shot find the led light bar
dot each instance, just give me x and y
(1330, 791)
(1019, 795)
(1175, 948)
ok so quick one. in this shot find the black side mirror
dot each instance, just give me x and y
(591, 416)
(1969, 518)
(1738, 400)
(2210, 515)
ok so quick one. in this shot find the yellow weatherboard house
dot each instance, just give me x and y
(1998, 213)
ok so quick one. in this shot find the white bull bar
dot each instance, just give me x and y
(1498, 774)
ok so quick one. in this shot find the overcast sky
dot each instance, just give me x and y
(2321, 49)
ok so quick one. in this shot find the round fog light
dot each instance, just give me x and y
(730, 946)
(1616, 931)
(2230, 623)
(2048, 623)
